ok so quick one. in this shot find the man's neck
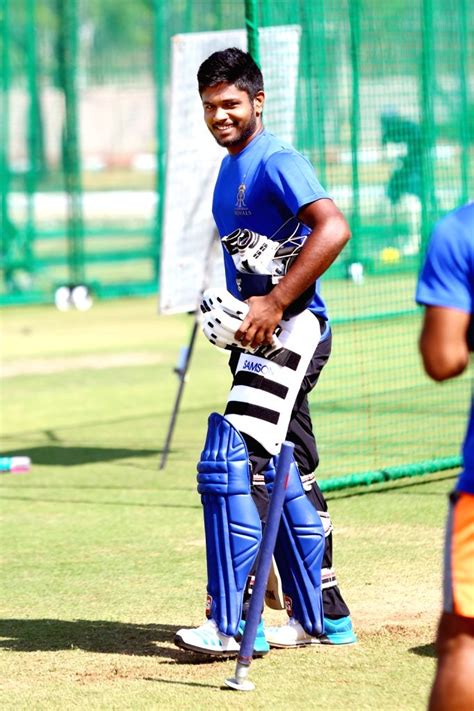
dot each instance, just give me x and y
(235, 150)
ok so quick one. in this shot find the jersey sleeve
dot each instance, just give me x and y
(447, 277)
(293, 180)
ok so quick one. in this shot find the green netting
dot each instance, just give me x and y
(384, 110)
(385, 113)
(79, 189)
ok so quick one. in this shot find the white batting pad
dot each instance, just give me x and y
(264, 391)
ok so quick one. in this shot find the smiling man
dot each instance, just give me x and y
(230, 116)
(280, 232)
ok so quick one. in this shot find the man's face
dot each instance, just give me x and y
(231, 116)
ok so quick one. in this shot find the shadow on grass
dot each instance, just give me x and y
(61, 456)
(99, 636)
(174, 682)
(424, 650)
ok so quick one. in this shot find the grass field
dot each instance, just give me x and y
(103, 553)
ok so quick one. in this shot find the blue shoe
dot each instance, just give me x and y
(293, 634)
(261, 645)
(338, 631)
(208, 640)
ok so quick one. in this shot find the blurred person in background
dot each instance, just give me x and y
(446, 290)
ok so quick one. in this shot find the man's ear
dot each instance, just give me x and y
(258, 102)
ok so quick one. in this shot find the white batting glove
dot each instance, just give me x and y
(218, 298)
(222, 316)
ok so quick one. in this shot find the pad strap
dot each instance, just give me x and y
(299, 552)
(326, 521)
(231, 521)
(328, 578)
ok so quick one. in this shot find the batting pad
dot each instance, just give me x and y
(231, 521)
(299, 552)
(264, 389)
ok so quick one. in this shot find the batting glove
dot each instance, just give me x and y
(222, 316)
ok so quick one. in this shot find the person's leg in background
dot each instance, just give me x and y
(453, 686)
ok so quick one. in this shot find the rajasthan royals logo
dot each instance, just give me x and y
(240, 204)
(241, 196)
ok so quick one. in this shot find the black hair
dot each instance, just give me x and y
(231, 66)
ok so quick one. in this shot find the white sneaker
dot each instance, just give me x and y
(207, 639)
(290, 635)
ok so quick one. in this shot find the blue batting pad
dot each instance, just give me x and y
(299, 552)
(231, 521)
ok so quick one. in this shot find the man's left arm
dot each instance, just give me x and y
(329, 234)
(445, 290)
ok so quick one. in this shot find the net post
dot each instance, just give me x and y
(251, 23)
(354, 17)
(160, 73)
(428, 91)
(464, 100)
(68, 51)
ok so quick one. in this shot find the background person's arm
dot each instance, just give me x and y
(444, 343)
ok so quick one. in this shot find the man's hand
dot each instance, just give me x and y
(222, 316)
(259, 325)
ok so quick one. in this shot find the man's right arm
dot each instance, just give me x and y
(329, 234)
(444, 343)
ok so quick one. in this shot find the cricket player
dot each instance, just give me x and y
(446, 289)
(280, 232)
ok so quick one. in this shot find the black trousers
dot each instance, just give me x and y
(301, 434)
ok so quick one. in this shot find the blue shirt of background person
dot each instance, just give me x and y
(262, 188)
(447, 280)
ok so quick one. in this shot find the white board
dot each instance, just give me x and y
(193, 157)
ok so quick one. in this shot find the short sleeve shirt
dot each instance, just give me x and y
(262, 188)
(447, 280)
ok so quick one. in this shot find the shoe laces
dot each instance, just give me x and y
(208, 626)
(294, 622)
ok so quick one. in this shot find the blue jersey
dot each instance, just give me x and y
(262, 188)
(447, 280)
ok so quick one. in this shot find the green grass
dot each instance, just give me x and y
(103, 553)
